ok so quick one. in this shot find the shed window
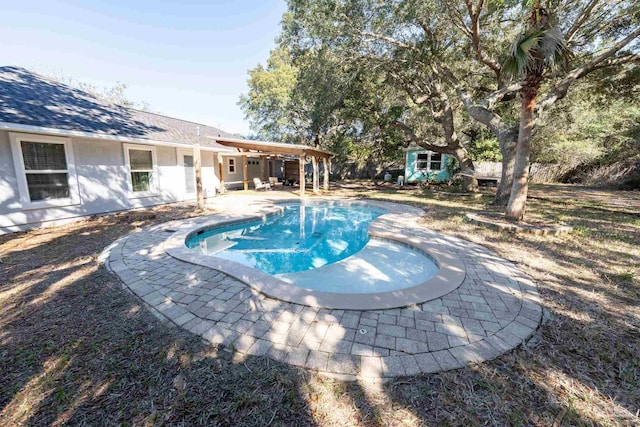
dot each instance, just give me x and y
(423, 161)
(232, 165)
(429, 161)
(435, 162)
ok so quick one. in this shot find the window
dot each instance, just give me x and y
(143, 170)
(429, 161)
(45, 165)
(423, 161)
(436, 162)
(45, 170)
(232, 165)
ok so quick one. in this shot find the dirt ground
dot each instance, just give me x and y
(76, 349)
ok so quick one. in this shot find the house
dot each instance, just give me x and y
(66, 154)
(423, 165)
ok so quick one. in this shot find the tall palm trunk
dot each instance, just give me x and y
(518, 199)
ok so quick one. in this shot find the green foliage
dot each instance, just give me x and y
(483, 145)
(269, 106)
(540, 47)
(582, 129)
(452, 166)
(359, 77)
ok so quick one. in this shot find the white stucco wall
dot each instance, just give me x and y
(233, 180)
(102, 182)
(210, 179)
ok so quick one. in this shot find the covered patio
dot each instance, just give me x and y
(274, 150)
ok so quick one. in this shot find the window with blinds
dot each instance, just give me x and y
(45, 166)
(141, 164)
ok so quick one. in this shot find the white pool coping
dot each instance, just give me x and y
(450, 274)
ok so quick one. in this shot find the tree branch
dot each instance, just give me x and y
(581, 19)
(414, 138)
(603, 60)
(479, 111)
(475, 39)
(387, 39)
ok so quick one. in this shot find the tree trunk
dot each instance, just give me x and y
(518, 198)
(469, 181)
(508, 139)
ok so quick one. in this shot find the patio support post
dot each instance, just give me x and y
(198, 166)
(221, 172)
(263, 167)
(326, 174)
(301, 164)
(245, 173)
(316, 183)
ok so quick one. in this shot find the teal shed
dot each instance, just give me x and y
(420, 164)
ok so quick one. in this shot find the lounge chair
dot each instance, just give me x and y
(259, 185)
(273, 181)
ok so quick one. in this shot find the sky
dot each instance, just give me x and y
(185, 58)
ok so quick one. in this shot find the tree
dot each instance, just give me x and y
(597, 32)
(114, 94)
(381, 41)
(540, 48)
(269, 106)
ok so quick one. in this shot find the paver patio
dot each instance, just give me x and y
(495, 309)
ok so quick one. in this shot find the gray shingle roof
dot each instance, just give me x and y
(27, 98)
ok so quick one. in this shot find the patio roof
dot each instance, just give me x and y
(246, 146)
(273, 147)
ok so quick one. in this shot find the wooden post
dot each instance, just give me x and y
(198, 166)
(326, 174)
(316, 184)
(221, 171)
(245, 172)
(263, 167)
(301, 167)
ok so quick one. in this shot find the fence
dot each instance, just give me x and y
(538, 172)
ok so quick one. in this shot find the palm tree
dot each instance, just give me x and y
(540, 48)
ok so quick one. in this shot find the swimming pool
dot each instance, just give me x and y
(302, 237)
(372, 257)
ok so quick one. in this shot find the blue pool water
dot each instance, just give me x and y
(302, 238)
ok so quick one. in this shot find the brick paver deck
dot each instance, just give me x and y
(495, 309)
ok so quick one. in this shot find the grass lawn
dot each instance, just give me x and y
(75, 348)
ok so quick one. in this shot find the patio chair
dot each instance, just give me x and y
(273, 181)
(259, 185)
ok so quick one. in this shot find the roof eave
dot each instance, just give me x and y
(16, 127)
(275, 146)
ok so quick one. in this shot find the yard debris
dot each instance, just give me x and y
(93, 367)
(179, 383)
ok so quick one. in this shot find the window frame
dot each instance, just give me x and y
(231, 163)
(16, 140)
(429, 162)
(418, 161)
(154, 182)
